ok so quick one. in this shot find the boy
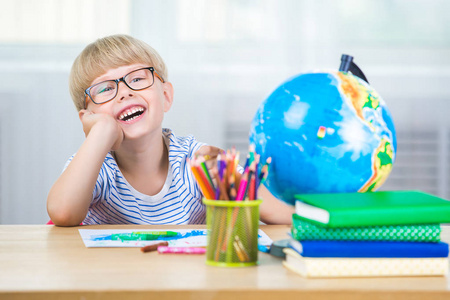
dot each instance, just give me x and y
(129, 170)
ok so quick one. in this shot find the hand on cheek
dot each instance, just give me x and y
(106, 125)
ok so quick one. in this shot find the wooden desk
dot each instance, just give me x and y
(48, 262)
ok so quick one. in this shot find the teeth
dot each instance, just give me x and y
(130, 112)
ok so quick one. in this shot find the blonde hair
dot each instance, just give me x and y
(108, 53)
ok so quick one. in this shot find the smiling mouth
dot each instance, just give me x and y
(132, 114)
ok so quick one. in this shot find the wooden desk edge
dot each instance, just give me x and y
(229, 294)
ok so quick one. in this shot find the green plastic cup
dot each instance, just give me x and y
(232, 232)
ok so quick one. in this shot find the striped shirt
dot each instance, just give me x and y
(115, 201)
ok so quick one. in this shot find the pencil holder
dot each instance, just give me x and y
(232, 232)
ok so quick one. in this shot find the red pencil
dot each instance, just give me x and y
(252, 188)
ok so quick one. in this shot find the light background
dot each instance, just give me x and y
(224, 58)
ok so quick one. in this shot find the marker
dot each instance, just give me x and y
(153, 247)
(143, 235)
(181, 250)
(264, 249)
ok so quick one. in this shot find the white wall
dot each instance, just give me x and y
(224, 58)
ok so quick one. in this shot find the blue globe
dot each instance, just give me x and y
(326, 132)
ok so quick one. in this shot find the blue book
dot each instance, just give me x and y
(369, 249)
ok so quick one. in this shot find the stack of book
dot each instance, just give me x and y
(394, 233)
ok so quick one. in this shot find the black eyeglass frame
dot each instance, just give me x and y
(87, 92)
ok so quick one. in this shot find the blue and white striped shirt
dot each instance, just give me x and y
(115, 201)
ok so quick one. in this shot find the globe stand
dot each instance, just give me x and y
(347, 65)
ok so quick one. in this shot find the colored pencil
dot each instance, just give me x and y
(242, 186)
(232, 188)
(206, 172)
(229, 184)
(223, 195)
(264, 172)
(209, 187)
(202, 180)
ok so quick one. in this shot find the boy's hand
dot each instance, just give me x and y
(210, 154)
(107, 124)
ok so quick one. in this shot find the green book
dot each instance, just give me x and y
(373, 208)
(304, 230)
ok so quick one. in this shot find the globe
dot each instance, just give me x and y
(326, 132)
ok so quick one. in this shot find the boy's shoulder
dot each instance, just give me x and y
(108, 162)
(176, 143)
(177, 140)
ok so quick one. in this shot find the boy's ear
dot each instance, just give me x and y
(81, 114)
(168, 95)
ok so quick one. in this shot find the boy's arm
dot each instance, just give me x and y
(273, 210)
(69, 199)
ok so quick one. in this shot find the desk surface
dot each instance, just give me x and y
(49, 262)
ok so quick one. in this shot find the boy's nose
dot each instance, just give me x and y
(123, 91)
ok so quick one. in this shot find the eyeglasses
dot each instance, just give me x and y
(106, 90)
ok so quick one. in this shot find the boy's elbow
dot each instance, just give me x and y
(64, 219)
(63, 216)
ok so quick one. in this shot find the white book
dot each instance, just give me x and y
(364, 267)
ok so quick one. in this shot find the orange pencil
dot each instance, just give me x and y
(228, 168)
(202, 184)
(209, 188)
(241, 247)
(199, 181)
